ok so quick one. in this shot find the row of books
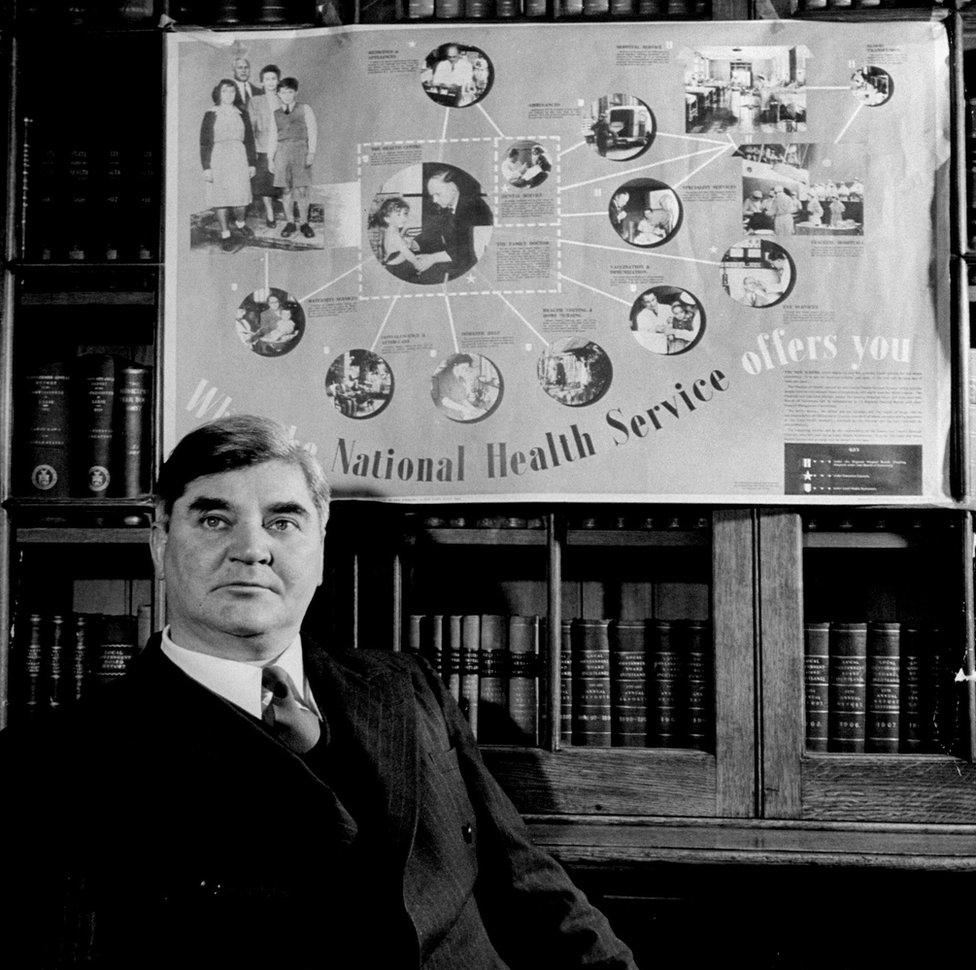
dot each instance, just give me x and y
(458, 519)
(82, 428)
(878, 687)
(623, 683)
(57, 659)
(86, 197)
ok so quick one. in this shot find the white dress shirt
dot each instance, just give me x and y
(239, 681)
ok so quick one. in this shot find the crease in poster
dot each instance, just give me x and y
(696, 262)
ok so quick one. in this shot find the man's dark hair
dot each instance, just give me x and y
(238, 441)
(288, 82)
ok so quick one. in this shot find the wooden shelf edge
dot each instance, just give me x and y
(642, 842)
(95, 535)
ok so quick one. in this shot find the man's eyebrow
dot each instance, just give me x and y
(205, 503)
(288, 508)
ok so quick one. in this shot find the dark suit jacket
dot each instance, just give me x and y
(452, 232)
(167, 827)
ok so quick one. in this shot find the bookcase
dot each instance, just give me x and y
(633, 823)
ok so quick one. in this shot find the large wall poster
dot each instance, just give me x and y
(663, 262)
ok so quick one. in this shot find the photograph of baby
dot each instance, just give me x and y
(270, 322)
(758, 272)
(667, 320)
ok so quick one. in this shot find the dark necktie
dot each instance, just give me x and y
(292, 723)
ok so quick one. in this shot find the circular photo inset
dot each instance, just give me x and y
(872, 86)
(620, 127)
(667, 320)
(270, 322)
(525, 165)
(360, 384)
(645, 212)
(429, 223)
(466, 387)
(758, 272)
(575, 372)
(456, 75)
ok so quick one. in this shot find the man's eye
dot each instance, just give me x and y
(282, 525)
(212, 522)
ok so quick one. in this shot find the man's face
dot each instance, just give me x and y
(287, 95)
(444, 194)
(453, 55)
(242, 69)
(241, 556)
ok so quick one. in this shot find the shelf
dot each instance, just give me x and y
(866, 540)
(477, 537)
(90, 298)
(627, 537)
(81, 535)
(647, 841)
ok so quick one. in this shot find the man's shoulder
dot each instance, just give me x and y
(366, 662)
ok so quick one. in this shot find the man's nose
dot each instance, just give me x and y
(249, 543)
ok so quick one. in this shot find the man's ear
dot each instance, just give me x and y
(158, 535)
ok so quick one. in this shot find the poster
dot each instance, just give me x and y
(702, 262)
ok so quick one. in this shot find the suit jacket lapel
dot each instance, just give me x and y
(184, 715)
(374, 713)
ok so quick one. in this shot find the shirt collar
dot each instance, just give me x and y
(238, 681)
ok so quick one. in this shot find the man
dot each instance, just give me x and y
(246, 89)
(243, 798)
(292, 144)
(452, 209)
(453, 77)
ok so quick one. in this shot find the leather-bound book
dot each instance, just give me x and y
(566, 682)
(816, 672)
(666, 690)
(43, 431)
(132, 392)
(523, 678)
(847, 686)
(591, 683)
(912, 728)
(492, 679)
(883, 688)
(699, 684)
(628, 684)
(95, 416)
(470, 649)
(452, 657)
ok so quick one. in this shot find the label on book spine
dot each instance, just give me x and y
(665, 687)
(628, 684)
(523, 677)
(847, 686)
(591, 684)
(470, 649)
(883, 688)
(566, 682)
(910, 666)
(816, 669)
(492, 687)
(699, 679)
(475, 9)
(54, 651)
(506, 9)
(43, 430)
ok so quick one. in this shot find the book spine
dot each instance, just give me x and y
(651, 9)
(447, 9)
(628, 684)
(570, 8)
(699, 679)
(133, 398)
(23, 217)
(666, 687)
(847, 686)
(54, 662)
(566, 683)
(145, 243)
(452, 657)
(910, 669)
(44, 433)
(432, 641)
(591, 684)
(111, 219)
(475, 9)
(596, 8)
(470, 648)
(680, 8)
(414, 634)
(622, 8)
(535, 8)
(33, 669)
(935, 682)
(78, 211)
(96, 404)
(492, 686)
(79, 656)
(421, 9)
(523, 677)
(816, 667)
(116, 649)
(883, 687)
(506, 9)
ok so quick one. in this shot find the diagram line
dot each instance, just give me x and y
(577, 215)
(519, 315)
(848, 125)
(718, 153)
(501, 134)
(379, 334)
(450, 318)
(618, 249)
(586, 286)
(706, 141)
(841, 88)
(308, 296)
(447, 116)
(267, 271)
(640, 168)
(571, 148)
